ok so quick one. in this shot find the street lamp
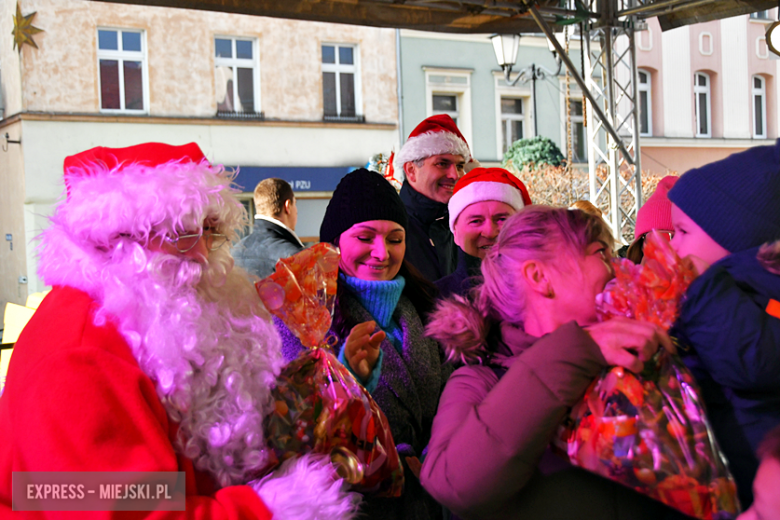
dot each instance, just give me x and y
(506, 46)
(773, 38)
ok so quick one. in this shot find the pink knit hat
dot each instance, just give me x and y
(656, 212)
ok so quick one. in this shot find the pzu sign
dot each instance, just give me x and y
(301, 185)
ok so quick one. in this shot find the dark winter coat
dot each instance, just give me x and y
(462, 280)
(430, 246)
(259, 251)
(408, 394)
(489, 458)
(734, 353)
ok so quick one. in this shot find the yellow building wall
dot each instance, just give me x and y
(62, 75)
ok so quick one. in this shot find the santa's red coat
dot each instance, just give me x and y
(76, 400)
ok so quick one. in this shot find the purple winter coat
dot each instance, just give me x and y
(488, 456)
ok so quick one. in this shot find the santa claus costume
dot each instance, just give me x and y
(141, 360)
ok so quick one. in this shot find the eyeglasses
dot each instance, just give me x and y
(184, 243)
(666, 235)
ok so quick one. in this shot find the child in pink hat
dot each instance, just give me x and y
(655, 213)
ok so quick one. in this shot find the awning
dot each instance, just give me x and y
(466, 16)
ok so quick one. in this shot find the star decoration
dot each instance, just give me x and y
(23, 29)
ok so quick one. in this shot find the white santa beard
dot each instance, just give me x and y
(201, 334)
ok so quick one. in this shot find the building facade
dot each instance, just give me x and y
(304, 101)
(459, 75)
(706, 91)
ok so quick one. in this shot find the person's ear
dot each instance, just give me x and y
(288, 205)
(457, 236)
(536, 278)
(410, 169)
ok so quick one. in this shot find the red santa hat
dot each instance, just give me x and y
(482, 184)
(149, 155)
(437, 135)
(150, 188)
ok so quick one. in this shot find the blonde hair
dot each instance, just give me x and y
(588, 207)
(271, 195)
(543, 233)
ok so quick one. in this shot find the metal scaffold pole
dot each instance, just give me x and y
(609, 88)
(611, 79)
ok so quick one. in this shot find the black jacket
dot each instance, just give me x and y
(463, 279)
(259, 251)
(430, 246)
(733, 350)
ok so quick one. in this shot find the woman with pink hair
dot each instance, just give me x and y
(531, 346)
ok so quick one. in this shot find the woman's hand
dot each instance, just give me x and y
(414, 465)
(361, 350)
(629, 343)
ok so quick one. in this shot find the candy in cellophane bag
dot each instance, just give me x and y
(650, 291)
(320, 406)
(649, 431)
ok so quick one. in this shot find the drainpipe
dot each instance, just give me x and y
(399, 89)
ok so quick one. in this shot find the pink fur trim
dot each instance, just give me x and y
(427, 145)
(480, 192)
(460, 329)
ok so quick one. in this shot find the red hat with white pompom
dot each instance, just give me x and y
(149, 155)
(437, 135)
(483, 184)
(144, 189)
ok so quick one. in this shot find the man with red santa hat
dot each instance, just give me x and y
(433, 158)
(151, 353)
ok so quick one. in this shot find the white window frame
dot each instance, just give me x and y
(707, 90)
(506, 120)
(235, 62)
(338, 68)
(460, 89)
(578, 119)
(519, 91)
(759, 92)
(454, 114)
(648, 89)
(121, 56)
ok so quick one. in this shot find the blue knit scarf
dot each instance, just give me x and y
(380, 298)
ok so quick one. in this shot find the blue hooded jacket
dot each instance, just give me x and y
(733, 350)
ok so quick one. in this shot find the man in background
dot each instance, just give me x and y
(273, 236)
(432, 160)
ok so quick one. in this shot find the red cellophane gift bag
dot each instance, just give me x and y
(320, 406)
(649, 431)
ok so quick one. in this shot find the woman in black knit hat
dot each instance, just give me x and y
(381, 305)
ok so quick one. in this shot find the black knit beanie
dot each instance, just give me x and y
(362, 195)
